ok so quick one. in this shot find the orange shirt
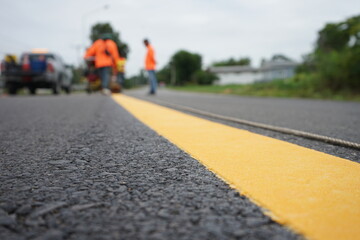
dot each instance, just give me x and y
(101, 58)
(150, 62)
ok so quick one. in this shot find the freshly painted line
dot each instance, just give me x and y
(290, 131)
(313, 193)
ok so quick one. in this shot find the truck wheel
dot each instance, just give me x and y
(56, 88)
(12, 90)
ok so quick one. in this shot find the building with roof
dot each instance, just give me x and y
(279, 67)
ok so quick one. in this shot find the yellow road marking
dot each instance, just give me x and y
(315, 194)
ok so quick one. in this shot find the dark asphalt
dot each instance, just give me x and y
(330, 118)
(81, 167)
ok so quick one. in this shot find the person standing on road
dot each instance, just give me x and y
(150, 64)
(106, 55)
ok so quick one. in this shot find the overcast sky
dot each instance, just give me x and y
(215, 29)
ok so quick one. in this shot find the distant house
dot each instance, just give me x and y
(235, 74)
(279, 67)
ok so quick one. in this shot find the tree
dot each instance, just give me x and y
(99, 29)
(243, 61)
(307, 65)
(186, 64)
(164, 75)
(334, 36)
(77, 74)
(337, 54)
(204, 78)
(337, 36)
(280, 57)
(335, 61)
(135, 80)
(183, 68)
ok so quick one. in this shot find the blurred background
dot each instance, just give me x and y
(227, 44)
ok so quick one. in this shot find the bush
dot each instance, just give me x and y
(204, 78)
(334, 64)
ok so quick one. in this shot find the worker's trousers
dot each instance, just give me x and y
(152, 81)
(104, 73)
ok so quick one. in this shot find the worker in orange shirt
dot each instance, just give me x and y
(106, 55)
(150, 65)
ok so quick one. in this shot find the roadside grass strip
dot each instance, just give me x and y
(313, 193)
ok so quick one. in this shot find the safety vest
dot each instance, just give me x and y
(105, 52)
(150, 62)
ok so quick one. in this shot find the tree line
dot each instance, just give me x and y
(334, 63)
(185, 68)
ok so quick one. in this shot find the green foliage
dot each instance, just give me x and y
(77, 74)
(352, 61)
(185, 68)
(204, 78)
(185, 64)
(300, 87)
(99, 29)
(331, 71)
(130, 82)
(164, 75)
(280, 57)
(333, 37)
(307, 65)
(232, 62)
(330, 68)
(135, 81)
(336, 58)
(338, 36)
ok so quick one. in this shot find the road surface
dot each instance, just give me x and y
(82, 167)
(334, 119)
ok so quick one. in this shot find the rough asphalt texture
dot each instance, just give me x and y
(330, 118)
(81, 167)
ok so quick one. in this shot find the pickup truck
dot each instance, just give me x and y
(36, 70)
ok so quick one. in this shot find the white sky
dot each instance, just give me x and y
(216, 29)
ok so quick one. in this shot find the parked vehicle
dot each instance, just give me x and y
(37, 69)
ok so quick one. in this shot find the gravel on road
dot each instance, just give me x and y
(81, 167)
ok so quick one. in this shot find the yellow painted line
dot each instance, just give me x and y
(313, 193)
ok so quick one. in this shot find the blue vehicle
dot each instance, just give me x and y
(37, 69)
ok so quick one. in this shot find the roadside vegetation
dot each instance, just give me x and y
(289, 88)
(330, 71)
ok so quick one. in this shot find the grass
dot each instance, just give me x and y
(289, 88)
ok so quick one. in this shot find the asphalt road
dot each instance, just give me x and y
(81, 167)
(329, 118)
